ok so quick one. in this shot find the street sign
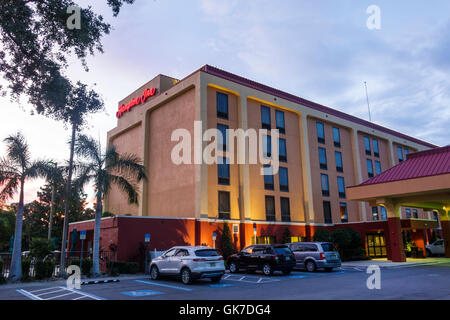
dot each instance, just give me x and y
(82, 235)
(214, 236)
(147, 237)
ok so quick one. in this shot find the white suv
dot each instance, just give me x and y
(436, 248)
(189, 263)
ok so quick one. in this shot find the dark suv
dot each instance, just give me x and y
(265, 257)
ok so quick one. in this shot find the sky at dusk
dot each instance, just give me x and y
(319, 50)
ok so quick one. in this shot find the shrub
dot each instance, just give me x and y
(85, 267)
(121, 267)
(286, 237)
(40, 248)
(226, 243)
(342, 240)
(322, 235)
(44, 268)
(26, 265)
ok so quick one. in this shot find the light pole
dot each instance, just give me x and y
(52, 204)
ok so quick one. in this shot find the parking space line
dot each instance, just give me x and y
(89, 295)
(61, 295)
(42, 294)
(28, 294)
(163, 285)
(34, 291)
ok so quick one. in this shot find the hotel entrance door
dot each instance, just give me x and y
(376, 246)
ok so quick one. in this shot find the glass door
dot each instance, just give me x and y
(376, 246)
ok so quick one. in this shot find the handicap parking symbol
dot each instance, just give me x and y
(220, 285)
(141, 293)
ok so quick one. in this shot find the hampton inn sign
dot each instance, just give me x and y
(135, 101)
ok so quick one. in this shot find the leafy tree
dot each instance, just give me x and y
(105, 169)
(40, 248)
(341, 239)
(36, 44)
(322, 235)
(286, 237)
(7, 223)
(226, 243)
(16, 168)
(108, 214)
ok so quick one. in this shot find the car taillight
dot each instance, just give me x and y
(275, 257)
(220, 258)
(322, 256)
(199, 260)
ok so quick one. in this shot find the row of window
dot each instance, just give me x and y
(326, 186)
(266, 119)
(267, 148)
(415, 214)
(337, 157)
(321, 134)
(370, 167)
(342, 212)
(376, 213)
(402, 153)
(368, 147)
(282, 177)
(285, 209)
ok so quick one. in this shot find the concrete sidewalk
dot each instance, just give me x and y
(384, 263)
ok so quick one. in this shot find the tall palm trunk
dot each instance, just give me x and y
(15, 271)
(96, 251)
(62, 271)
(52, 206)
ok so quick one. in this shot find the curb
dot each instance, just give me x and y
(99, 281)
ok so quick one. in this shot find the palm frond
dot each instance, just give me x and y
(89, 148)
(111, 156)
(10, 188)
(129, 165)
(17, 149)
(7, 170)
(126, 187)
(38, 169)
(83, 175)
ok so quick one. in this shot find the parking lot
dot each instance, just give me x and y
(421, 282)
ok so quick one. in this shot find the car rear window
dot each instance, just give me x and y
(282, 250)
(327, 247)
(206, 253)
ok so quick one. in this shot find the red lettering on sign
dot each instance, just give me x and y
(135, 101)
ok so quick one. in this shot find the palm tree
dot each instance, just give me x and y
(54, 178)
(103, 170)
(16, 168)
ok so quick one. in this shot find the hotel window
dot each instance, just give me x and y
(383, 213)
(435, 216)
(327, 212)
(415, 214)
(405, 152)
(400, 154)
(285, 209)
(279, 119)
(282, 154)
(268, 177)
(223, 171)
(320, 132)
(375, 215)
(377, 167)
(376, 149)
(222, 143)
(267, 146)
(408, 213)
(325, 185)
(265, 118)
(369, 168)
(270, 208)
(284, 181)
(367, 146)
(323, 158)
(336, 137)
(222, 105)
(341, 187)
(224, 205)
(338, 158)
(343, 212)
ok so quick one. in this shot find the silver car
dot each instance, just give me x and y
(436, 248)
(189, 263)
(315, 255)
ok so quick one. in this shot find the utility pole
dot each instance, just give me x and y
(368, 105)
(52, 205)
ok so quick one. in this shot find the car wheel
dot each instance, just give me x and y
(233, 267)
(287, 272)
(328, 269)
(216, 279)
(186, 276)
(267, 269)
(310, 266)
(154, 273)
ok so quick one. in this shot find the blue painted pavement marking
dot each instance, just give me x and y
(141, 293)
(28, 294)
(220, 285)
(163, 285)
(297, 277)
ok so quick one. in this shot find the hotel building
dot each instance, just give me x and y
(321, 151)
